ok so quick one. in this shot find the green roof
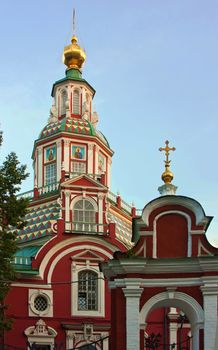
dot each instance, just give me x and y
(27, 252)
(74, 75)
(72, 125)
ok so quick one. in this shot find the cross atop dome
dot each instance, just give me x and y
(167, 176)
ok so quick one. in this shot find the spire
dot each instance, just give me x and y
(74, 56)
(167, 176)
(74, 22)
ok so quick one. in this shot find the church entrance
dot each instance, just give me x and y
(167, 328)
(172, 321)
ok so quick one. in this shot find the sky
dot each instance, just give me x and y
(154, 67)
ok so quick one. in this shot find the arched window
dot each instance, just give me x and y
(84, 216)
(76, 102)
(63, 102)
(87, 290)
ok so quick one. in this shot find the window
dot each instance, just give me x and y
(78, 167)
(50, 173)
(88, 287)
(63, 102)
(40, 336)
(76, 102)
(84, 216)
(40, 303)
(87, 290)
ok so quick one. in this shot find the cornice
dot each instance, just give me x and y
(114, 268)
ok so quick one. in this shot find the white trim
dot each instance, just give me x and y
(76, 269)
(157, 282)
(74, 240)
(186, 202)
(72, 249)
(200, 246)
(181, 300)
(48, 295)
(88, 198)
(44, 338)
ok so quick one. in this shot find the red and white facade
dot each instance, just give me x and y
(90, 270)
(172, 268)
(74, 223)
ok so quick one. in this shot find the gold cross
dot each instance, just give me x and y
(167, 150)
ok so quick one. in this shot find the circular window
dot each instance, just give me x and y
(40, 303)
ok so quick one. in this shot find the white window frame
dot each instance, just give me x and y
(91, 295)
(79, 165)
(76, 101)
(54, 176)
(47, 338)
(77, 267)
(48, 295)
(63, 100)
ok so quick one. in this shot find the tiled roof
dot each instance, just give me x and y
(39, 222)
(74, 125)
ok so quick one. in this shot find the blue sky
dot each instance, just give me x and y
(154, 67)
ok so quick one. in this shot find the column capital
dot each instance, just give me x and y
(209, 289)
(132, 292)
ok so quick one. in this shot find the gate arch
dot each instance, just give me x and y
(185, 302)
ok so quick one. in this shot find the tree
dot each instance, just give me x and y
(12, 213)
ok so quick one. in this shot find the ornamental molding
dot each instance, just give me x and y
(67, 142)
(101, 196)
(186, 202)
(181, 300)
(90, 146)
(131, 292)
(171, 283)
(146, 266)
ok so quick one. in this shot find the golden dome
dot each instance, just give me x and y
(74, 56)
(167, 176)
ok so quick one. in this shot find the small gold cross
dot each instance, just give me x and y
(167, 150)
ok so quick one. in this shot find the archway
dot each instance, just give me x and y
(172, 298)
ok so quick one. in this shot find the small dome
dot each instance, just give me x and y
(74, 126)
(74, 56)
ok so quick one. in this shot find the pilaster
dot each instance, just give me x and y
(210, 293)
(132, 294)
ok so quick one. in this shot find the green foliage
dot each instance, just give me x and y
(12, 212)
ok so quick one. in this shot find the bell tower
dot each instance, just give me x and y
(70, 144)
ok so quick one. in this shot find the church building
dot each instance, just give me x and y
(94, 273)
(74, 222)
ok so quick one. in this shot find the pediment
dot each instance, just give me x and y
(87, 255)
(83, 181)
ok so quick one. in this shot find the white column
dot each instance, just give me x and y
(100, 208)
(195, 336)
(109, 172)
(66, 155)
(173, 326)
(173, 333)
(210, 293)
(132, 294)
(70, 335)
(67, 210)
(58, 160)
(90, 169)
(40, 167)
(96, 160)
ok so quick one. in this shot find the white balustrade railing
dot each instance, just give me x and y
(48, 188)
(86, 227)
(22, 260)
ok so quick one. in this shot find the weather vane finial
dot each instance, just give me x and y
(167, 175)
